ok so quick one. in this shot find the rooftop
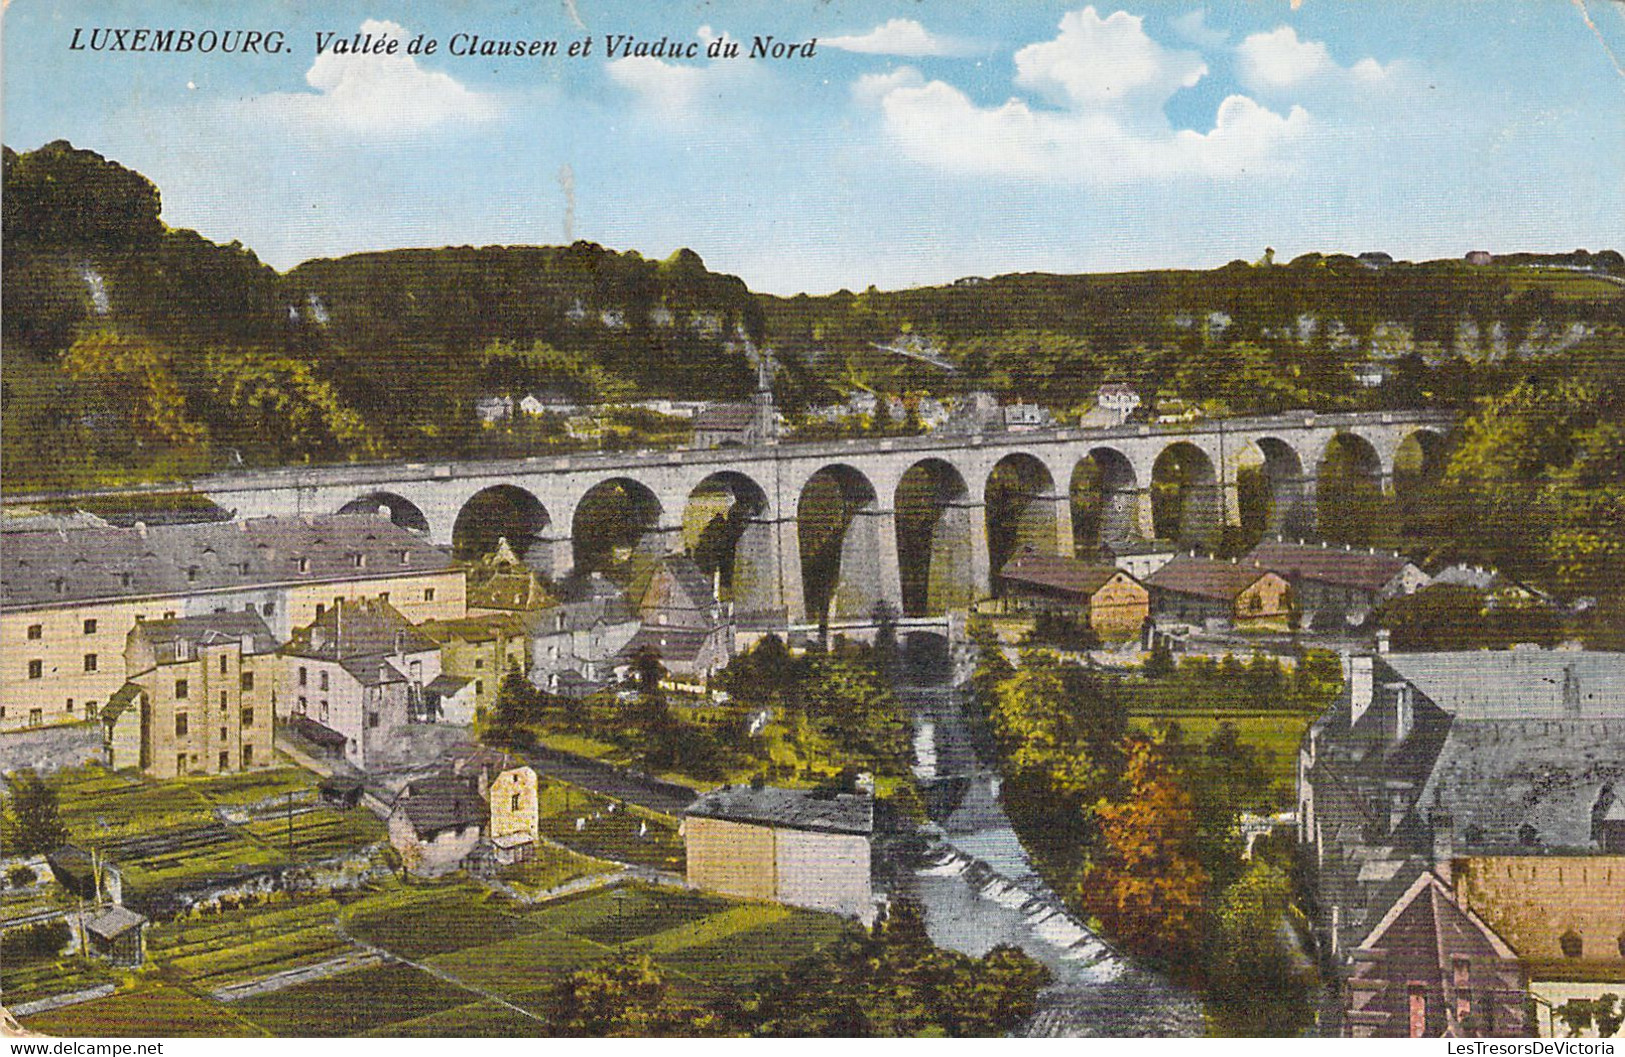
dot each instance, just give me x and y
(1062, 574)
(1367, 569)
(441, 803)
(789, 808)
(354, 630)
(1205, 577)
(164, 636)
(90, 564)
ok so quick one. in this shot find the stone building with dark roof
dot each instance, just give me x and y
(575, 645)
(682, 622)
(804, 848)
(1434, 761)
(1343, 583)
(437, 822)
(203, 692)
(482, 650)
(1114, 603)
(357, 672)
(69, 598)
(1192, 589)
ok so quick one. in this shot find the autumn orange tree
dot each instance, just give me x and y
(1146, 883)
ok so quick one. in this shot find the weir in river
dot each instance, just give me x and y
(978, 889)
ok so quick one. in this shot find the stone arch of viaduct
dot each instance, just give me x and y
(786, 553)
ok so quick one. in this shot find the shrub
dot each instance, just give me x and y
(43, 939)
(21, 876)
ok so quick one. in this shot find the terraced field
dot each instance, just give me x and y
(473, 953)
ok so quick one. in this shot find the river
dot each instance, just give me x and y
(978, 889)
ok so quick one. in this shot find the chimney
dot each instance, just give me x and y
(1444, 843)
(1404, 712)
(1384, 639)
(1360, 677)
(248, 642)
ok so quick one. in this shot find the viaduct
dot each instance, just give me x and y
(806, 531)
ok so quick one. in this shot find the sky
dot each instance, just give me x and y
(918, 143)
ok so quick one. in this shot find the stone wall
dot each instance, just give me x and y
(49, 749)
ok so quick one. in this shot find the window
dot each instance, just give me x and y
(359, 561)
(248, 756)
(320, 609)
(405, 556)
(304, 705)
(372, 719)
(169, 615)
(36, 716)
(383, 596)
(222, 664)
(90, 710)
(324, 680)
(1419, 1011)
(90, 662)
(324, 712)
(515, 805)
(248, 717)
(70, 704)
(304, 565)
(479, 686)
(36, 669)
(180, 763)
(90, 626)
(428, 594)
(479, 662)
(1572, 944)
(225, 761)
(35, 630)
(191, 574)
(180, 725)
(223, 701)
(182, 690)
(125, 579)
(246, 681)
(304, 676)
(224, 734)
(268, 609)
(1461, 967)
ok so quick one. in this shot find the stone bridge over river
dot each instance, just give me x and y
(834, 528)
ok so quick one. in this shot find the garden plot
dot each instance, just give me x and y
(415, 923)
(353, 1002)
(597, 826)
(249, 943)
(151, 1011)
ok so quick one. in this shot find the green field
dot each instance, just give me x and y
(1276, 733)
(153, 1010)
(168, 834)
(489, 946)
(609, 834)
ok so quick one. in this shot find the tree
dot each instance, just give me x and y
(1261, 983)
(31, 823)
(626, 996)
(1147, 885)
(1160, 664)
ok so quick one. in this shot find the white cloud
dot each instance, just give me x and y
(1106, 83)
(899, 36)
(1192, 26)
(1105, 61)
(373, 95)
(679, 93)
(1279, 59)
(873, 87)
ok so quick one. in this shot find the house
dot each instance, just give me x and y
(354, 677)
(1433, 969)
(1430, 759)
(800, 847)
(550, 402)
(117, 934)
(975, 412)
(450, 699)
(1118, 398)
(501, 582)
(682, 622)
(69, 599)
(1497, 588)
(1563, 915)
(1021, 417)
(479, 650)
(515, 815)
(436, 823)
(493, 409)
(1139, 558)
(1191, 589)
(199, 695)
(575, 645)
(1114, 603)
(1343, 583)
(1370, 375)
